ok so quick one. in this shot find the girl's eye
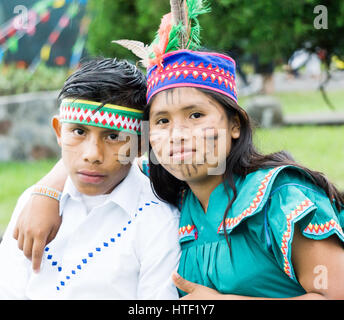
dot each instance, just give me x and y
(79, 132)
(113, 137)
(196, 115)
(162, 121)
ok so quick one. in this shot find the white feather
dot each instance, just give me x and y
(137, 47)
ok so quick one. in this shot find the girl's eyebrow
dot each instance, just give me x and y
(159, 113)
(193, 106)
(185, 108)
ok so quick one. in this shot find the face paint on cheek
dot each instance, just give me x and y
(221, 152)
(125, 154)
(159, 140)
(212, 146)
(70, 148)
(194, 167)
(118, 157)
(205, 140)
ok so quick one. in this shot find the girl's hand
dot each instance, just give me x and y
(39, 220)
(37, 225)
(195, 291)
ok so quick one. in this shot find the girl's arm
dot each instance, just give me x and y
(318, 265)
(39, 221)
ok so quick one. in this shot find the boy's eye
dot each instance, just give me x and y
(79, 131)
(162, 121)
(196, 115)
(113, 137)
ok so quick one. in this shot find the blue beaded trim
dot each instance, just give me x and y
(90, 255)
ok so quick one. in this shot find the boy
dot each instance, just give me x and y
(116, 240)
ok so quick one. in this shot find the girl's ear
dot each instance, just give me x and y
(235, 129)
(56, 124)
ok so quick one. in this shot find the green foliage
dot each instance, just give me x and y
(123, 19)
(273, 29)
(15, 81)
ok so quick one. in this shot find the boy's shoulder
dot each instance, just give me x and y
(150, 204)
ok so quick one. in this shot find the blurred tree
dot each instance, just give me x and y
(123, 19)
(272, 29)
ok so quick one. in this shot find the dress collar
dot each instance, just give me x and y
(252, 194)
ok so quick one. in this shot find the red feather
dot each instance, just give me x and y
(164, 33)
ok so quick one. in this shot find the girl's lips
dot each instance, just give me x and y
(91, 177)
(182, 155)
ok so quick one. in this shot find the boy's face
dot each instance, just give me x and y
(95, 158)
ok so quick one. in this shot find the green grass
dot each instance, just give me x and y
(318, 148)
(305, 102)
(308, 102)
(15, 178)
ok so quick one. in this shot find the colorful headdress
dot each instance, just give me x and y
(173, 59)
(108, 116)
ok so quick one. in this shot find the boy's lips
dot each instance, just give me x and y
(92, 177)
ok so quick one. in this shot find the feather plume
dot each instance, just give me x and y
(161, 40)
(195, 9)
(179, 29)
(137, 47)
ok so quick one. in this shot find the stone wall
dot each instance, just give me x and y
(25, 129)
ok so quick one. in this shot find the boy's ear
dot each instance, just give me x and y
(56, 124)
(235, 131)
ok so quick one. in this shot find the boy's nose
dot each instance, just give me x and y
(93, 152)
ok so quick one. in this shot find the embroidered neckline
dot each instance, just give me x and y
(231, 223)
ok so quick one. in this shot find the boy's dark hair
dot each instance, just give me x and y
(107, 80)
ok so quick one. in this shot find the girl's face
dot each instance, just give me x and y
(191, 134)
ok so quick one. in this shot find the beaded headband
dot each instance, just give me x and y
(185, 68)
(109, 116)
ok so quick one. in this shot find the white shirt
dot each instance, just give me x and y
(124, 248)
(92, 202)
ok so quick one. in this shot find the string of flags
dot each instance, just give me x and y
(26, 22)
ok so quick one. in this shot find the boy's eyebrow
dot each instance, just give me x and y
(78, 125)
(111, 131)
(86, 128)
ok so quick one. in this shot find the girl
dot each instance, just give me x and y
(266, 227)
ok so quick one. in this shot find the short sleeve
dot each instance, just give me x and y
(310, 209)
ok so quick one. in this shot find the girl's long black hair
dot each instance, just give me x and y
(242, 160)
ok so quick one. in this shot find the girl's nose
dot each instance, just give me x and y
(179, 134)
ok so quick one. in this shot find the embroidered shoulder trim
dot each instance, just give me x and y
(230, 223)
(323, 228)
(296, 214)
(188, 231)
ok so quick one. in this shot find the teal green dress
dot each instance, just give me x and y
(260, 227)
